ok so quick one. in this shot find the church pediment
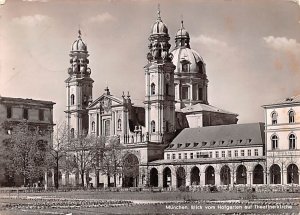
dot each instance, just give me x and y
(105, 102)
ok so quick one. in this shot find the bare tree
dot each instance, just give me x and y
(26, 152)
(58, 150)
(111, 158)
(82, 154)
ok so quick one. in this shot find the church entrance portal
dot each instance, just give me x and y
(131, 171)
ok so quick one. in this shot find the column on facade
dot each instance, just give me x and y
(190, 92)
(284, 176)
(98, 123)
(113, 122)
(90, 124)
(160, 177)
(188, 177)
(249, 177)
(173, 177)
(202, 175)
(217, 177)
(233, 176)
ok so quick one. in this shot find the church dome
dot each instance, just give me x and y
(186, 56)
(78, 44)
(159, 27)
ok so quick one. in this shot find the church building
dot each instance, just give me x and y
(177, 138)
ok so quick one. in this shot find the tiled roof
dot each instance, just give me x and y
(286, 101)
(204, 107)
(206, 160)
(235, 135)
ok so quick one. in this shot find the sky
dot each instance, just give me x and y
(251, 48)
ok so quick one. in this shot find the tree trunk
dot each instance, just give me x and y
(57, 175)
(97, 178)
(82, 178)
(115, 178)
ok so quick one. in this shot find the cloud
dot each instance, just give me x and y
(209, 41)
(101, 18)
(286, 52)
(281, 43)
(36, 19)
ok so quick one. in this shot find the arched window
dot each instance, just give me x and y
(274, 140)
(72, 99)
(72, 133)
(153, 126)
(185, 67)
(274, 118)
(93, 126)
(292, 141)
(152, 89)
(291, 116)
(119, 124)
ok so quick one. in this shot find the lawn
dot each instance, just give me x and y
(99, 202)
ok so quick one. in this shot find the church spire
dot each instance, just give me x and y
(158, 12)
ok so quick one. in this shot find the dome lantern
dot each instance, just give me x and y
(182, 37)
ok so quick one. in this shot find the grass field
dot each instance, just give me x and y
(83, 202)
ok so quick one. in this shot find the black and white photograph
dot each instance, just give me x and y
(149, 107)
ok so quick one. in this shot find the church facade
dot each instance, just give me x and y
(177, 138)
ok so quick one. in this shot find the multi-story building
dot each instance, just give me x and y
(282, 132)
(36, 113)
(214, 155)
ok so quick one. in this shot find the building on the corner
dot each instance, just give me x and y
(36, 113)
(214, 155)
(282, 133)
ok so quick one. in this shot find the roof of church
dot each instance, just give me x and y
(235, 135)
(204, 107)
(285, 101)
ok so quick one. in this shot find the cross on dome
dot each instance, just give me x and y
(158, 12)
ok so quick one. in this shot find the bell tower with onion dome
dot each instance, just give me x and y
(79, 87)
(159, 81)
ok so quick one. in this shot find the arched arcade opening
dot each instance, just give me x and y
(153, 177)
(258, 174)
(241, 175)
(195, 176)
(210, 175)
(131, 171)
